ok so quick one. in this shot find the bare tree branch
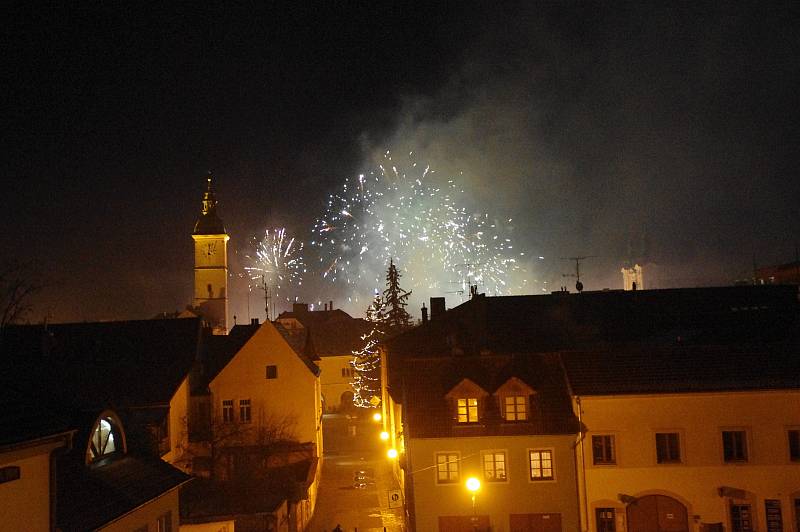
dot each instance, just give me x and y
(18, 285)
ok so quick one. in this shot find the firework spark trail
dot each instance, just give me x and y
(405, 212)
(278, 261)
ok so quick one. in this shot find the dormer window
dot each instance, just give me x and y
(106, 438)
(515, 408)
(466, 401)
(514, 400)
(467, 410)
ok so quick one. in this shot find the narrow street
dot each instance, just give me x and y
(356, 479)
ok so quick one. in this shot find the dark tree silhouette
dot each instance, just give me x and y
(395, 300)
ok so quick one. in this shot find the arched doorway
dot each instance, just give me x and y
(657, 513)
(347, 401)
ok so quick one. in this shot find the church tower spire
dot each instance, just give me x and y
(211, 263)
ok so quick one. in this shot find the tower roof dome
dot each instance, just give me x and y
(209, 223)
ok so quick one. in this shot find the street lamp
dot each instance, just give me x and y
(384, 435)
(392, 453)
(473, 485)
(376, 417)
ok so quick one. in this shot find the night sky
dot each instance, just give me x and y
(663, 135)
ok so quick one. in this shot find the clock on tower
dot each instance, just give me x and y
(211, 264)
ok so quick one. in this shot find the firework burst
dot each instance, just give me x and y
(406, 212)
(278, 262)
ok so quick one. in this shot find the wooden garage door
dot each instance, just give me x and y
(463, 523)
(657, 513)
(535, 523)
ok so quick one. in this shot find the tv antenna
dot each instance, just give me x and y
(577, 274)
(467, 281)
(267, 297)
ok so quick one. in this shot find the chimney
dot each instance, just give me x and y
(331, 305)
(326, 306)
(424, 314)
(437, 308)
(253, 321)
(299, 308)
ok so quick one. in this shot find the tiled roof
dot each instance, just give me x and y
(89, 365)
(333, 332)
(424, 383)
(683, 369)
(90, 497)
(304, 351)
(204, 500)
(700, 316)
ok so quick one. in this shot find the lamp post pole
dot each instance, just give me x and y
(473, 485)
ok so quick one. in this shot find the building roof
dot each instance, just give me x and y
(425, 383)
(220, 350)
(206, 500)
(94, 365)
(332, 332)
(653, 341)
(700, 316)
(683, 369)
(305, 350)
(92, 496)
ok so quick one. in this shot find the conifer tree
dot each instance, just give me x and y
(367, 360)
(395, 301)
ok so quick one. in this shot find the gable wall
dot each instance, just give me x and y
(294, 393)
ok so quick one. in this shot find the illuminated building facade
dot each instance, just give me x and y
(332, 335)
(684, 409)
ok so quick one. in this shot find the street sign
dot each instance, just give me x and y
(395, 501)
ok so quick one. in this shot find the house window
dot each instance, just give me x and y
(468, 410)
(494, 466)
(794, 445)
(516, 408)
(272, 372)
(447, 468)
(164, 523)
(244, 411)
(734, 445)
(227, 411)
(9, 473)
(668, 448)
(105, 439)
(541, 464)
(347, 372)
(603, 452)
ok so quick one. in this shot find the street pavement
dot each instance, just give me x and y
(352, 444)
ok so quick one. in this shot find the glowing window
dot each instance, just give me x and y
(541, 464)
(494, 466)
(516, 408)
(244, 411)
(468, 410)
(447, 468)
(105, 439)
(227, 411)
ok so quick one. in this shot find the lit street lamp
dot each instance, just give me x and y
(473, 485)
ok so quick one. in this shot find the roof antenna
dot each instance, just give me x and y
(577, 274)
